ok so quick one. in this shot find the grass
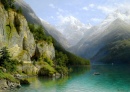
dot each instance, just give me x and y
(7, 76)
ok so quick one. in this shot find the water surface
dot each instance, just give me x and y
(111, 79)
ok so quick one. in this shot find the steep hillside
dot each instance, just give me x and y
(114, 53)
(27, 12)
(55, 34)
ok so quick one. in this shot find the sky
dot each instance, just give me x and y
(86, 11)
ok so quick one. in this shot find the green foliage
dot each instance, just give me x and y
(7, 76)
(4, 56)
(50, 62)
(72, 59)
(61, 59)
(60, 63)
(47, 70)
(76, 60)
(8, 4)
(19, 10)
(6, 61)
(39, 33)
(62, 70)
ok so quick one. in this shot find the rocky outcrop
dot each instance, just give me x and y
(28, 68)
(6, 84)
(15, 34)
(46, 49)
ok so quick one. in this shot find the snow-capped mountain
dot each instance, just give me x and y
(118, 14)
(114, 28)
(72, 29)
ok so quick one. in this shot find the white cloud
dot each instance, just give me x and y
(106, 9)
(91, 5)
(85, 8)
(116, 6)
(96, 19)
(52, 5)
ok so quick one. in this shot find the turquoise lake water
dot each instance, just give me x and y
(111, 79)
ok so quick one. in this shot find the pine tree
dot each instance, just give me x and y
(4, 55)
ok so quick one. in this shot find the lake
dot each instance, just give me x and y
(111, 79)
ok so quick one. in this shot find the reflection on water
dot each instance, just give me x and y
(111, 79)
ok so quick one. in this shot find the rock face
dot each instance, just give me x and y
(15, 34)
(6, 84)
(28, 69)
(45, 48)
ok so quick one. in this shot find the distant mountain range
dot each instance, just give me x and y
(107, 42)
(72, 29)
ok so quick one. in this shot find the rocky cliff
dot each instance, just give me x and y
(15, 34)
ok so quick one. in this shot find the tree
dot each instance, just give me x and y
(11, 3)
(19, 10)
(8, 3)
(6, 61)
(4, 55)
(61, 59)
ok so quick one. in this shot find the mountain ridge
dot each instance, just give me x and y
(91, 44)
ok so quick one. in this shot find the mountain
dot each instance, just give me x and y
(100, 41)
(55, 34)
(27, 12)
(72, 29)
(32, 18)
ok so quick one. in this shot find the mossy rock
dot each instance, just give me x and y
(47, 70)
